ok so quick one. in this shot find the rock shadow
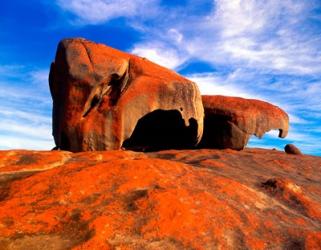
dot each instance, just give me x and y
(160, 130)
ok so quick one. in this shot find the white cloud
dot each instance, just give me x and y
(25, 119)
(31, 130)
(214, 84)
(14, 142)
(238, 16)
(99, 11)
(159, 54)
(269, 35)
(40, 76)
(295, 119)
(265, 35)
(258, 34)
(175, 35)
(7, 112)
(29, 93)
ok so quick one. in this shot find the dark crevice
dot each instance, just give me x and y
(161, 130)
(270, 184)
(113, 88)
(221, 132)
(216, 129)
(95, 101)
(119, 84)
(116, 86)
(65, 143)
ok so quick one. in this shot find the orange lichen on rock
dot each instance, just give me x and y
(313, 240)
(230, 121)
(173, 199)
(290, 193)
(100, 94)
(25, 160)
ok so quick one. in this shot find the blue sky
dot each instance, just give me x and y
(262, 49)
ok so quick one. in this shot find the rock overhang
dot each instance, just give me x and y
(230, 121)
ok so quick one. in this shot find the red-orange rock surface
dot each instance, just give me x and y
(100, 94)
(230, 121)
(189, 199)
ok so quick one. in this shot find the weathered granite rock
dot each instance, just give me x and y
(230, 121)
(107, 99)
(292, 149)
(172, 199)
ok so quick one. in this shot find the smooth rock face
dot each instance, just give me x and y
(292, 149)
(230, 121)
(175, 199)
(100, 94)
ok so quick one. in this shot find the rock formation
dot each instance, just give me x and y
(107, 99)
(292, 149)
(230, 121)
(174, 199)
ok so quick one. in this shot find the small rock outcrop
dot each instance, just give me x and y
(106, 99)
(292, 149)
(230, 121)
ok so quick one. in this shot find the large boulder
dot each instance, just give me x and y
(104, 99)
(230, 121)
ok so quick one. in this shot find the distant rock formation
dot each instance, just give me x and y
(107, 99)
(292, 149)
(230, 121)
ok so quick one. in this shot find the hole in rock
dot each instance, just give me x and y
(65, 144)
(217, 131)
(281, 132)
(162, 129)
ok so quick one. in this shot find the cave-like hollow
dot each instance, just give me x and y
(160, 130)
(217, 131)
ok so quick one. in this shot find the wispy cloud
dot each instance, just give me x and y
(99, 11)
(34, 129)
(218, 84)
(25, 114)
(161, 54)
(14, 142)
(39, 76)
(267, 35)
(261, 34)
(7, 112)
